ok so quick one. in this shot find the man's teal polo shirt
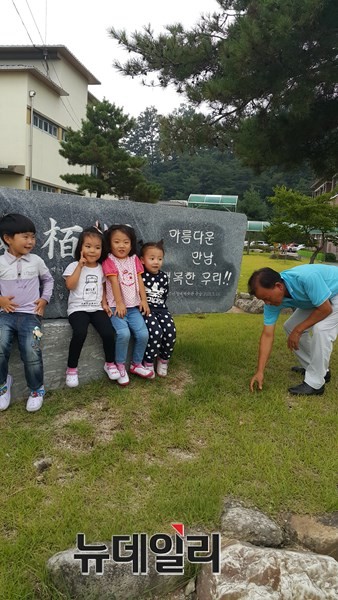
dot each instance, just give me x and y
(308, 285)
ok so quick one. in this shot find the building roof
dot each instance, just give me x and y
(36, 73)
(26, 53)
(257, 225)
(212, 201)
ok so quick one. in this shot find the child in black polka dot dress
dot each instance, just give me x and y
(160, 324)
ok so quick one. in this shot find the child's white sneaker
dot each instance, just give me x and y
(162, 367)
(141, 371)
(150, 367)
(112, 371)
(5, 393)
(123, 378)
(35, 400)
(72, 378)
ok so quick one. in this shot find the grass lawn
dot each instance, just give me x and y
(169, 450)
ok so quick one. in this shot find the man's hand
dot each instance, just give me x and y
(6, 302)
(40, 306)
(257, 378)
(293, 340)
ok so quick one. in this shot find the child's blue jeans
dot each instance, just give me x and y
(133, 322)
(21, 325)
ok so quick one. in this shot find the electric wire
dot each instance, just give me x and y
(45, 64)
(22, 21)
(35, 23)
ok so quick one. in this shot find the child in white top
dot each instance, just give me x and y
(127, 299)
(87, 302)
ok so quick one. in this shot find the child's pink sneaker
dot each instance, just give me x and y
(162, 367)
(150, 367)
(141, 371)
(112, 371)
(123, 378)
(72, 378)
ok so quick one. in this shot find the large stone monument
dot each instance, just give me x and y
(203, 252)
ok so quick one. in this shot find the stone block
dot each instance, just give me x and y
(55, 343)
(203, 248)
(203, 253)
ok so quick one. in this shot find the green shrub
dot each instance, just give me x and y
(308, 253)
(330, 257)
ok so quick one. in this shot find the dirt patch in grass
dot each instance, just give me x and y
(180, 380)
(8, 533)
(172, 453)
(181, 455)
(105, 421)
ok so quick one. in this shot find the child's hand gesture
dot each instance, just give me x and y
(83, 260)
(120, 310)
(40, 306)
(7, 304)
(144, 308)
(107, 308)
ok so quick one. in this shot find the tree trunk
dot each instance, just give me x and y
(313, 256)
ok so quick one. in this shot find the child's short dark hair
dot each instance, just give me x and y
(91, 230)
(127, 230)
(144, 247)
(13, 223)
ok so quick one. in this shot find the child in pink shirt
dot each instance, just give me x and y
(127, 300)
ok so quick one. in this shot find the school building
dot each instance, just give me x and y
(44, 90)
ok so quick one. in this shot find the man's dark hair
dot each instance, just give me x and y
(127, 230)
(13, 223)
(266, 278)
(92, 230)
(147, 245)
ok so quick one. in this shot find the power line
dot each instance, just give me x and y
(45, 63)
(21, 19)
(46, 5)
(76, 120)
(38, 30)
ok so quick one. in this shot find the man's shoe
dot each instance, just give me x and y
(328, 376)
(35, 400)
(141, 371)
(301, 370)
(306, 390)
(5, 391)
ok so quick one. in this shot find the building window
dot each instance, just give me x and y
(45, 125)
(71, 192)
(39, 187)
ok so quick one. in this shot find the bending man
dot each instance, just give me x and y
(313, 291)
